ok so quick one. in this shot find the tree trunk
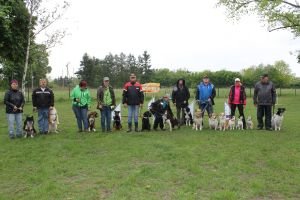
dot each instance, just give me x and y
(27, 55)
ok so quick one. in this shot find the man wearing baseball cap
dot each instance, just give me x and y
(237, 99)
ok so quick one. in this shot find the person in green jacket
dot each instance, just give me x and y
(81, 101)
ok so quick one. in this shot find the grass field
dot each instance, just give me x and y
(158, 165)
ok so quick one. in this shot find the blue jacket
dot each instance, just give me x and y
(204, 92)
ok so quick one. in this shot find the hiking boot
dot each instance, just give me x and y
(129, 128)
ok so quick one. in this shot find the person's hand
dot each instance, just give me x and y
(20, 108)
(184, 102)
(15, 108)
(50, 108)
(78, 100)
(141, 105)
(255, 105)
(125, 105)
(34, 109)
(244, 106)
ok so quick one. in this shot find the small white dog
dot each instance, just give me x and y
(240, 125)
(53, 120)
(198, 120)
(249, 123)
(222, 124)
(277, 119)
(231, 123)
(213, 122)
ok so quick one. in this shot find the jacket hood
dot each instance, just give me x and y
(183, 82)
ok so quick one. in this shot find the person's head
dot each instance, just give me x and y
(205, 79)
(43, 83)
(264, 78)
(132, 78)
(180, 82)
(106, 81)
(82, 84)
(14, 84)
(237, 81)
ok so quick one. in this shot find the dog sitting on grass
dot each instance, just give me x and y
(53, 120)
(198, 120)
(91, 120)
(213, 122)
(117, 121)
(146, 121)
(28, 127)
(277, 119)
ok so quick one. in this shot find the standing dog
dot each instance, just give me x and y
(146, 121)
(277, 119)
(92, 119)
(222, 124)
(198, 120)
(170, 120)
(117, 121)
(29, 127)
(240, 125)
(188, 116)
(249, 123)
(53, 120)
(231, 123)
(213, 122)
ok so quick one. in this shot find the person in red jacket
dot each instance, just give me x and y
(133, 98)
(237, 98)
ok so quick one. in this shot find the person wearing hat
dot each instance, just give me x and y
(158, 108)
(205, 94)
(264, 98)
(106, 103)
(180, 97)
(237, 99)
(43, 101)
(133, 98)
(81, 101)
(14, 101)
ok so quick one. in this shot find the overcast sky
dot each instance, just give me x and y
(190, 34)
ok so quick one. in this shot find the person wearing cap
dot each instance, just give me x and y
(264, 98)
(14, 101)
(43, 101)
(237, 99)
(180, 97)
(205, 94)
(81, 101)
(133, 98)
(106, 103)
(158, 108)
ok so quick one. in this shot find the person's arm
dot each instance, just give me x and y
(6, 100)
(173, 96)
(245, 95)
(23, 101)
(33, 98)
(197, 93)
(229, 96)
(113, 97)
(52, 98)
(124, 95)
(274, 96)
(213, 93)
(255, 94)
(89, 98)
(141, 95)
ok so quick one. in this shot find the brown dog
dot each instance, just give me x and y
(92, 119)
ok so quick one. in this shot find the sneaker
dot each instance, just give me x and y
(259, 128)
(268, 129)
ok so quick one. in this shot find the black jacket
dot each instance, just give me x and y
(264, 93)
(179, 95)
(100, 93)
(14, 98)
(42, 99)
(158, 109)
(133, 94)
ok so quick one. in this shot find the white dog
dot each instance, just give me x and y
(277, 119)
(53, 120)
(198, 120)
(240, 125)
(231, 123)
(249, 123)
(222, 124)
(213, 122)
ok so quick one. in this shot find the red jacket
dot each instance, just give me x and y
(242, 95)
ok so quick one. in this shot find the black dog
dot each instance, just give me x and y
(29, 127)
(188, 118)
(146, 122)
(117, 121)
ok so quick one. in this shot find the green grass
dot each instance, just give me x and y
(181, 165)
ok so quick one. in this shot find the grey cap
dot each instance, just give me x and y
(105, 79)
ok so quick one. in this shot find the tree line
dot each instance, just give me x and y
(118, 67)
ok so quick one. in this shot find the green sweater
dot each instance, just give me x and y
(83, 95)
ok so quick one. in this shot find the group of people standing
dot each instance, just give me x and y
(133, 98)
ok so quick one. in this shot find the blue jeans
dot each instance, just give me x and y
(81, 117)
(43, 117)
(12, 118)
(105, 117)
(133, 111)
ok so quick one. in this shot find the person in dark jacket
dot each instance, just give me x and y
(14, 101)
(133, 98)
(106, 103)
(180, 97)
(43, 101)
(158, 108)
(205, 94)
(237, 99)
(264, 98)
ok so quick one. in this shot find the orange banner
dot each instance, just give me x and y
(151, 87)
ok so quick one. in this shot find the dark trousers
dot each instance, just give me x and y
(264, 111)
(180, 115)
(241, 111)
(158, 120)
